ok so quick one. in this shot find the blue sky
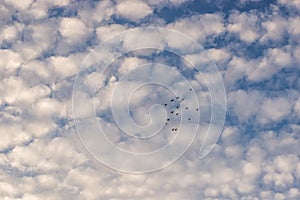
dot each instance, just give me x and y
(45, 60)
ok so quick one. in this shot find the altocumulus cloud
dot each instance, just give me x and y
(255, 45)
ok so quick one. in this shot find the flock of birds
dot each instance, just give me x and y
(177, 102)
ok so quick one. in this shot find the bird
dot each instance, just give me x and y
(172, 100)
(166, 104)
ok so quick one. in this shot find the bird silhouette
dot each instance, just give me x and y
(178, 100)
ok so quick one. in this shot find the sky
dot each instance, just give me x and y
(83, 88)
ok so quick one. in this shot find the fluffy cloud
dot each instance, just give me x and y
(10, 33)
(275, 28)
(133, 10)
(245, 26)
(73, 30)
(297, 107)
(37, 39)
(21, 6)
(10, 61)
(106, 32)
(200, 26)
(273, 110)
(41, 157)
(290, 4)
(96, 14)
(239, 99)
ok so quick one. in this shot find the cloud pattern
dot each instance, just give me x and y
(255, 44)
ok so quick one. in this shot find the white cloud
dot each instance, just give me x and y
(21, 6)
(297, 107)
(38, 39)
(12, 136)
(48, 107)
(280, 57)
(294, 26)
(6, 13)
(41, 157)
(10, 61)
(10, 89)
(290, 4)
(36, 72)
(101, 12)
(237, 69)
(245, 25)
(275, 29)
(274, 60)
(238, 99)
(107, 32)
(73, 30)
(133, 10)
(65, 66)
(162, 3)
(129, 64)
(10, 33)
(296, 55)
(220, 56)
(200, 26)
(273, 110)
(60, 2)
(39, 9)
